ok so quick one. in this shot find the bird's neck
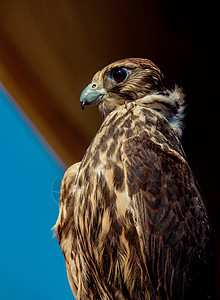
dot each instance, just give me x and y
(171, 106)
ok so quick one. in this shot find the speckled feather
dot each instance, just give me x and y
(132, 223)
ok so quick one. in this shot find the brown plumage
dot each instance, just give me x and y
(132, 222)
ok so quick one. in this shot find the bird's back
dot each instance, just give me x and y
(131, 235)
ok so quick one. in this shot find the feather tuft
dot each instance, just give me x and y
(170, 105)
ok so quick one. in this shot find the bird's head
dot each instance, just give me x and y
(122, 81)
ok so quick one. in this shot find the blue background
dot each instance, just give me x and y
(31, 262)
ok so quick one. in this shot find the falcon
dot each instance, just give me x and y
(132, 221)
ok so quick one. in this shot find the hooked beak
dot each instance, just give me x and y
(91, 95)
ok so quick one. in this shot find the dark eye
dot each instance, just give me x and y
(119, 74)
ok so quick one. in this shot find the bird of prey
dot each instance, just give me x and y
(132, 221)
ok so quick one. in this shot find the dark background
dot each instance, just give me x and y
(49, 51)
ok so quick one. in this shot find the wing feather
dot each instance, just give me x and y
(171, 217)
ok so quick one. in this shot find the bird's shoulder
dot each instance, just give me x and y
(132, 119)
(66, 199)
(69, 176)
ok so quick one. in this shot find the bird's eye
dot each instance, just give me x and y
(119, 74)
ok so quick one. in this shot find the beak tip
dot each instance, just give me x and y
(82, 103)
